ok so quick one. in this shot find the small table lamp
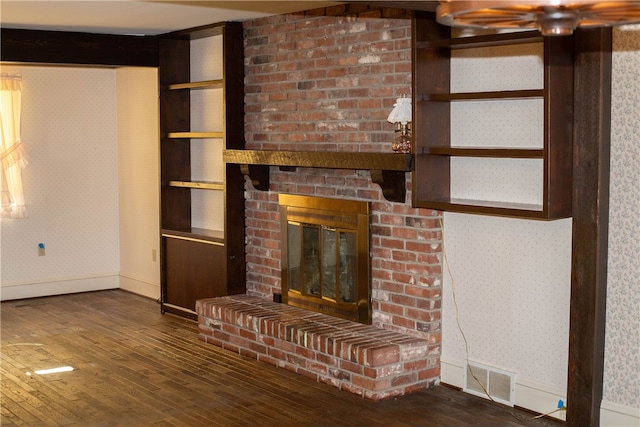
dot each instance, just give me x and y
(401, 116)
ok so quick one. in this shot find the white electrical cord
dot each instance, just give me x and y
(457, 313)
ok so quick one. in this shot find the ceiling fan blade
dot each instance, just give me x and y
(504, 22)
(553, 17)
(612, 6)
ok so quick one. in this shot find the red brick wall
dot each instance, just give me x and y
(317, 83)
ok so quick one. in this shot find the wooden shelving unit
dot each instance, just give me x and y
(434, 151)
(200, 262)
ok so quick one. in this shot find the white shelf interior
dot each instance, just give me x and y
(207, 115)
(503, 123)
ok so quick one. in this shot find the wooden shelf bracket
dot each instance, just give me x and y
(392, 183)
(258, 174)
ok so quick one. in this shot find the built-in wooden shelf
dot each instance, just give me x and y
(486, 96)
(196, 235)
(510, 153)
(203, 185)
(195, 135)
(434, 171)
(488, 207)
(199, 263)
(207, 84)
(387, 169)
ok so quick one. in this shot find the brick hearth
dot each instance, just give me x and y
(362, 359)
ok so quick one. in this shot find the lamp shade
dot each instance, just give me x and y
(401, 112)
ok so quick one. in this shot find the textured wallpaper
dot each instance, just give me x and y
(69, 121)
(512, 279)
(622, 358)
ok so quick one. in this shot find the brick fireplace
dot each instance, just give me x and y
(325, 81)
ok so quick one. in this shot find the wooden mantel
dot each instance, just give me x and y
(387, 169)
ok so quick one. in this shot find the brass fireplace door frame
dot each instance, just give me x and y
(341, 214)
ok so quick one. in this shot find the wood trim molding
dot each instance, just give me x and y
(71, 48)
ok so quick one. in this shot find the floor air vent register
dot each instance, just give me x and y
(481, 380)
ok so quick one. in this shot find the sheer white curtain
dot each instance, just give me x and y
(12, 151)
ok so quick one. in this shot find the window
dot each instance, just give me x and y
(12, 150)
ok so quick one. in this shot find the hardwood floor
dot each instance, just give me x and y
(136, 367)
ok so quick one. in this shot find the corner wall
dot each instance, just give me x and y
(69, 122)
(91, 186)
(138, 177)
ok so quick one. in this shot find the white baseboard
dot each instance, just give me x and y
(451, 372)
(71, 285)
(539, 397)
(543, 398)
(614, 415)
(140, 287)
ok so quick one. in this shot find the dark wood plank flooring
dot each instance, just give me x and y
(136, 367)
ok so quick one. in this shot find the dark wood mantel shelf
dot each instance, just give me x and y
(387, 169)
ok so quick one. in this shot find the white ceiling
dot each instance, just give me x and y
(138, 16)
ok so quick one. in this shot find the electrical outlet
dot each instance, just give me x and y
(153, 255)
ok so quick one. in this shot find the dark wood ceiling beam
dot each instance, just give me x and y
(427, 6)
(71, 48)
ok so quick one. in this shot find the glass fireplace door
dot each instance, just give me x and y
(325, 258)
(322, 262)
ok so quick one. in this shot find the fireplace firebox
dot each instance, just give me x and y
(325, 256)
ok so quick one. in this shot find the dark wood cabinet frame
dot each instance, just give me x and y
(210, 263)
(590, 205)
